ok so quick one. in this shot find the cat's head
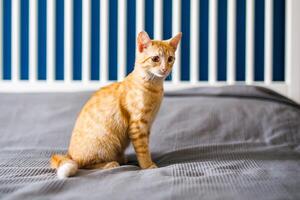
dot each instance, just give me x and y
(155, 57)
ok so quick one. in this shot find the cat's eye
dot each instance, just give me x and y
(155, 59)
(171, 59)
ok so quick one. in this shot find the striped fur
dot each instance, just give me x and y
(122, 112)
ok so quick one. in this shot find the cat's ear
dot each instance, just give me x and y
(143, 41)
(175, 40)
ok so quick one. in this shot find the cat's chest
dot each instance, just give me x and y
(145, 102)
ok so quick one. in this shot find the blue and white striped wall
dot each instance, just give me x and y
(223, 40)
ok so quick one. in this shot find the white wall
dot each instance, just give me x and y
(292, 55)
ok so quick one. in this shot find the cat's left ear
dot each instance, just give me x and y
(143, 41)
(175, 40)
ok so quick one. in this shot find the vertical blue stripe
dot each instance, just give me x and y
(42, 31)
(95, 37)
(203, 40)
(24, 39)
(59, 43)
(167, 24)
(113, 39)
(259, 26)
(167, 19)
(222, 39)
(278, 40)
(7, 39)
(149, 17)
(77, 37)
(240, 39)
(131, 41)
(185, 45)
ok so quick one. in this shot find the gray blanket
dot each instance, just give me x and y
(209, 143)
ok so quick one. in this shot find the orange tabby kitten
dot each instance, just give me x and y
(120, 113)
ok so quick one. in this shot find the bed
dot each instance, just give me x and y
(234, 142)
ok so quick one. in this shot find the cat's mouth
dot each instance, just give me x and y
(159, 74)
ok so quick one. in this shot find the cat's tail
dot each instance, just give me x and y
(64, 165)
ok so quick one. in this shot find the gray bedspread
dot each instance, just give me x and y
(209, 143)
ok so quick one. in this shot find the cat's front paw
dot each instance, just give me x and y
(152, 166)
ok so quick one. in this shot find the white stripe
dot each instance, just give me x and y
(50, 40)
(231, 37)
(15, 40)
(292, 48)
(1, 39)
(86, 40)
(176, 15)
(140, 16)
(194, 66)
(158, 19)
(268, 41)
(104, 37)
(288, 41)
(122, 39)
(212, 48)
(33, 40)
(68, 40)
(250, 41)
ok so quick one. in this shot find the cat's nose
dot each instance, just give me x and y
(164, 70)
